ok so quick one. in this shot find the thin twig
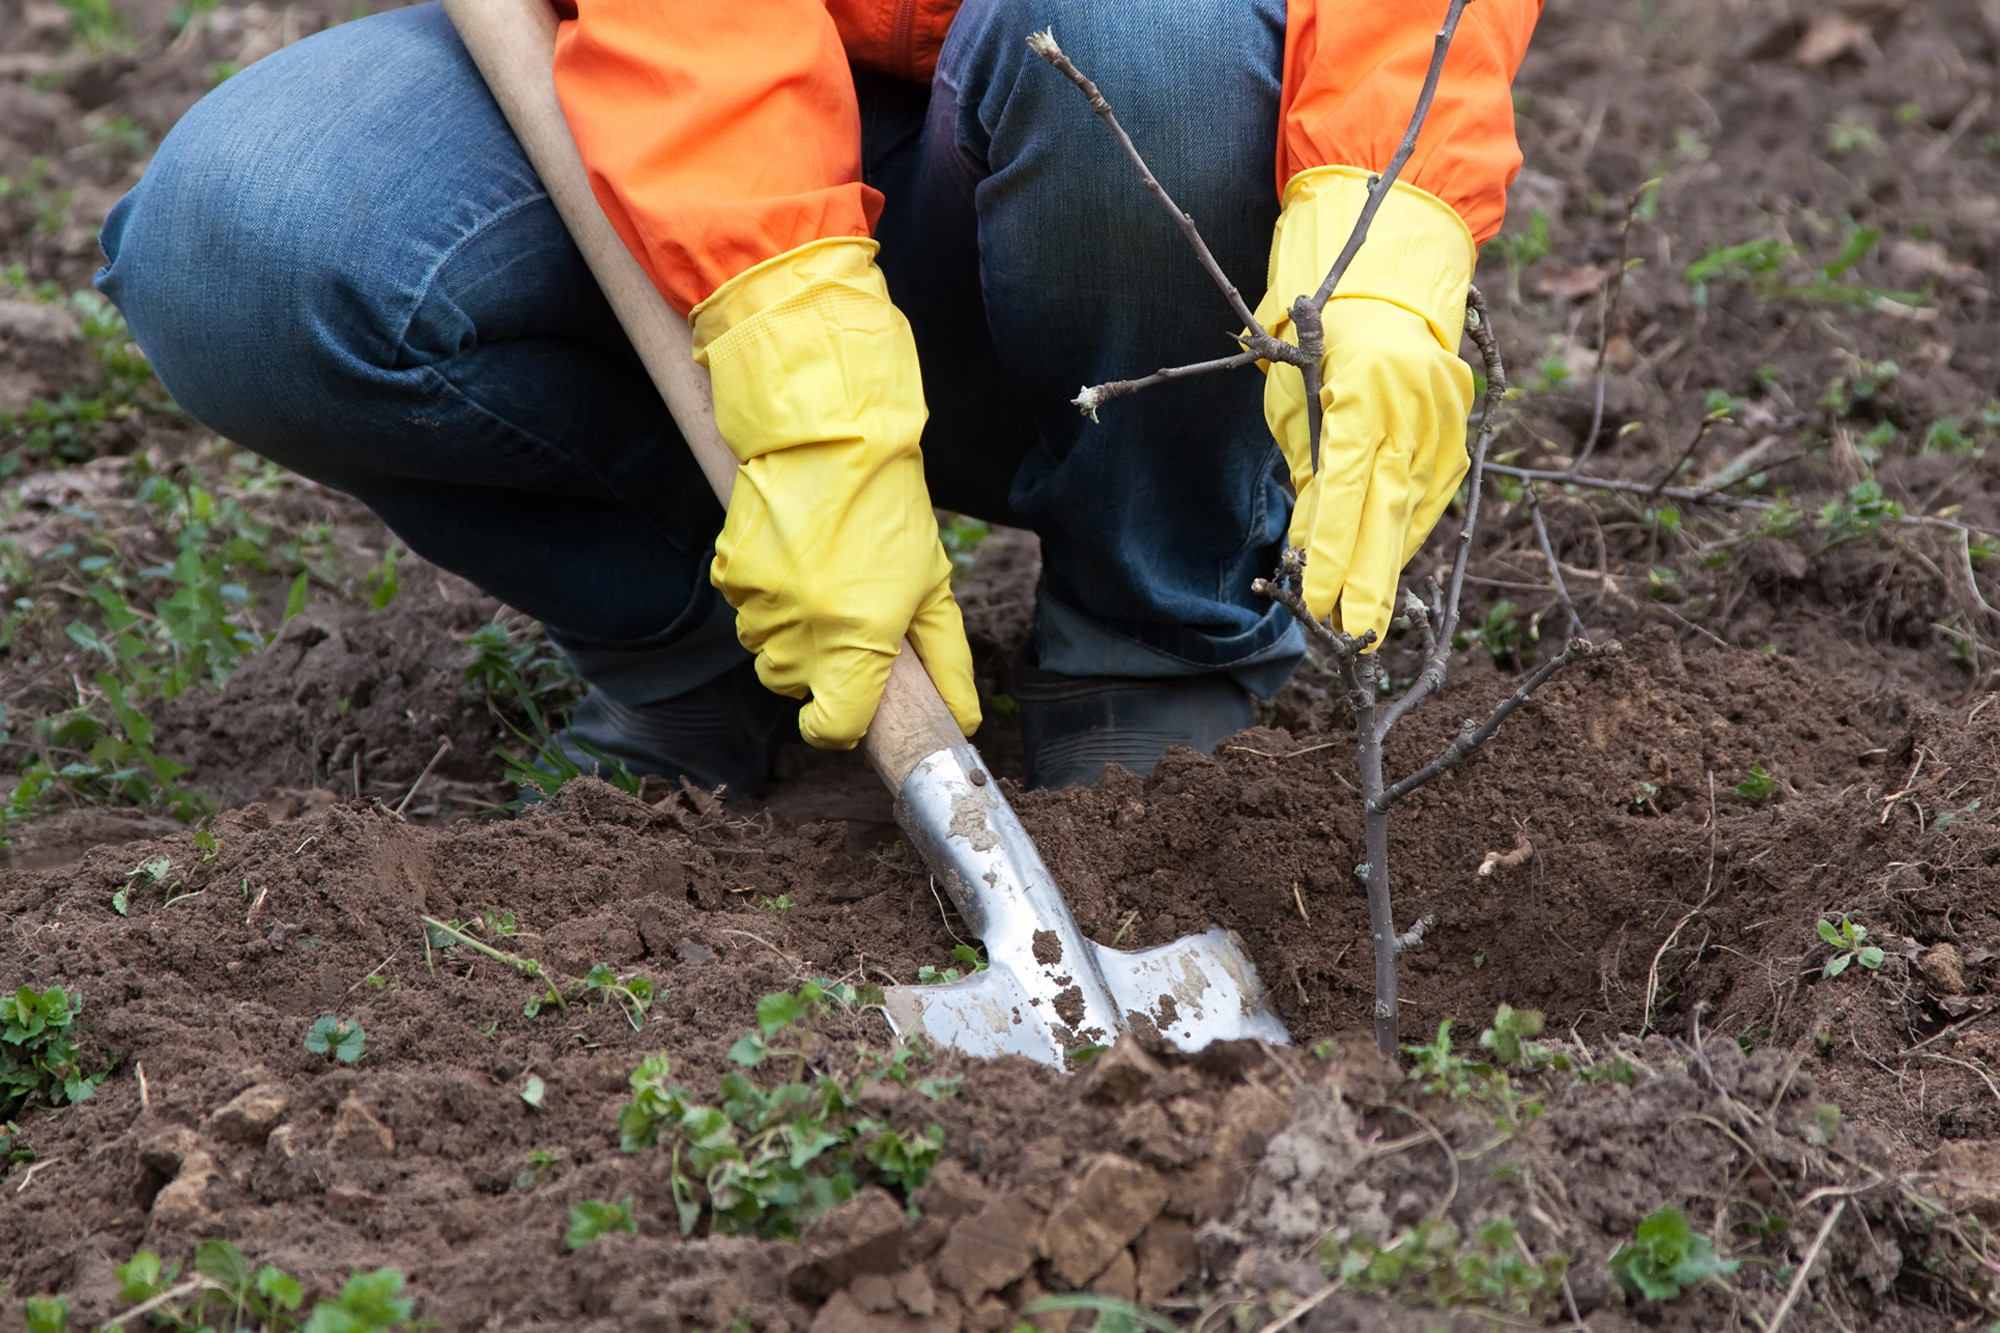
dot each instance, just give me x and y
(1044, 45)
(1707, 892)
(188, 1288)
(1805, 1268)
(1607, 309)
(1478, 326)
(1305, 312)
(1095, 396)
(444, 748)
(1701, 433)
(1473, 735)
(1304, 1307)
(1555, 566)
(1711, 497)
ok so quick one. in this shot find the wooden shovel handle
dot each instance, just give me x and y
(513, 43)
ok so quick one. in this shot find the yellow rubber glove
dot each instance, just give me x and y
(1395, 395)
(830, 552)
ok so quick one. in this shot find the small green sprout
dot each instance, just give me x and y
(38, 1052)
(1759, 787)
(766, 1158)
(141, 876)
(592, 1218)
(540, 1163)
(45, 1314)
(534, 1091)
(1846, 941)
(341, 1039)
(963, 954)
(1667, 1258)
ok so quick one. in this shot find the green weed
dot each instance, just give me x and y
(632, 993)
(73, 426)
(45, 1314)
(541, 1163)
(528, 685)
(95, 23)
(1502, 634)
(765, 1160)
(1758, 264)
(229, 1294)
(1863, 509)
(961, 537)
(14, 1149)
(1521, 251)
(1434, 1264)
(592, 1218)
(336, 1038)
(963, 954)
(38, 1053)
(1846, 940)
(1667, 1258)
(1758, 787)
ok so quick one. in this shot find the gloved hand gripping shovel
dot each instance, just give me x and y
(1047, 990)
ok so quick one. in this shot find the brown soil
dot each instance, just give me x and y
(1596, 861)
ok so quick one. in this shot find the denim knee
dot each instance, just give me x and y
(1194, 82)
(281, 246)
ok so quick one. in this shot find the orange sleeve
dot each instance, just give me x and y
(716, 135)
(1349, 91)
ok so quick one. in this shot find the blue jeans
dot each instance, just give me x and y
(341, 259)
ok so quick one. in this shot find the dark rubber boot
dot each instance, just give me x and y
(1073, 727)
(723, 734)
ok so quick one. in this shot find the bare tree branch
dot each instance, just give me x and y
(1094, 396)
(1479, 326)
(1474, 734)
(1044, 45)
(1607, 310)
(1305, 312)
(1555, 566)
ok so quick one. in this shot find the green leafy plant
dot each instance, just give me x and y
(338, 1038)
(1501, 634)
(766, 1159)
(14, 1149)
(1667, 1258)
(45, 1314)
(592, 1218)
(528, 685)
(1522, 251)
(1759, 263)
(1758, 787)
(633, 993)
(38, 1053)
(961, 537)
(94, 23)
(143, 875)
(228, 1293)
(541, 1163)
(1847, 941)
(1434, 1264)
(1863, 509)
(963, 954)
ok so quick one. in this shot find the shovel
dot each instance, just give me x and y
(1047, 992)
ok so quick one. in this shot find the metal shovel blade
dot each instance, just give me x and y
(1047, 991)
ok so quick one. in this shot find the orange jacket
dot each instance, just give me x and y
(719, 135)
